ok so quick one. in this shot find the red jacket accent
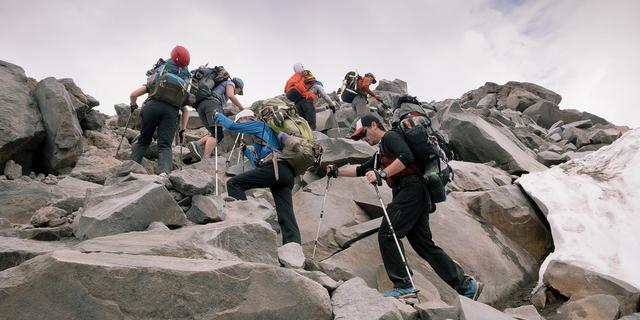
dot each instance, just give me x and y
(297, 82)
(385, 161)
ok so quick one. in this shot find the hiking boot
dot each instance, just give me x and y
(196, 152)
(401, 292)
(473, 288)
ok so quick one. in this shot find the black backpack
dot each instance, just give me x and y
(205, 79)
(431, 151)
(349, 84)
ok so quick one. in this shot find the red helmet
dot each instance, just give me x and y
(180, 56)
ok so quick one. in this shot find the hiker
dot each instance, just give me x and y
(159, 111)
(318, 88)
(408, 210)
(297, 90)
(264, 175)
(360, 101)
(207, 107)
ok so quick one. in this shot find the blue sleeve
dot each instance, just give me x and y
(251, 156)
(255, 128)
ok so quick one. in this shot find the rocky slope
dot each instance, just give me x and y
(86, 233)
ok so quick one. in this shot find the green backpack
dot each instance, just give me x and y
(298, 149)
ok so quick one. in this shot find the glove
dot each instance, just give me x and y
(332, 171)
(134, 107)
(333, 108)
(243, 145)
(181, 136)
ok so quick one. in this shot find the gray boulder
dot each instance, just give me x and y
(353, 300)
(537, 90)
(109, 286)
(469, 176)
(527, 136)
(349, 201)
(21, 122)
(129, 206)
(124, 111)
(599, 306)
(520, 99)
(290, 255)
(123, 172)
(19, 199)
(12, 170)
(15, 251)
(70, 193)
(544, 113)
(605, 136)
(576, 282)
(347, 235)
(527, 312)
(396, 86)
(474, 310)
(489, 101)
(550, 158)
(509, 210)
(48, 217)
(342, 151)
(252, 209)
(62, 146)
(96, 166)
(192, 181)
(476, 140)
(248, 240)
(205, 209)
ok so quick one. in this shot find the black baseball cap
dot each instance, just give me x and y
(363, 122)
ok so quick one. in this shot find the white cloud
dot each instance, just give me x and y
(584, 50)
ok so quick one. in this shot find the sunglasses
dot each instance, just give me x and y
(363, 133)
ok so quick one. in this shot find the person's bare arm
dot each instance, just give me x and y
(232, 96)
(133, 97)
(185, 118)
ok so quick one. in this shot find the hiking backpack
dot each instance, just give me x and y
(169, 83)
(205, 80)
(298, 150)
(430, 149)
(349, 86)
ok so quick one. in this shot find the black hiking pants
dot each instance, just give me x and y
(305, 109)
(264, 177)
(408, 214)
(161, 116)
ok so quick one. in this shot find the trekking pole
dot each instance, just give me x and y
(386, 215)
(324, 199)
(124, 131)
(215, 128)
(231, 153)
(240, 152)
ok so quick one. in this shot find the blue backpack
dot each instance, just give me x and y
(169, 83)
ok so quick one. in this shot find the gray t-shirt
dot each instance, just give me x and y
(220, 91)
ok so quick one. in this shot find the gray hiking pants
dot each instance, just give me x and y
(161, 116)
(360, 106)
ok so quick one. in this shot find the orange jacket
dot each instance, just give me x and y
(297, 82)
(363, 86)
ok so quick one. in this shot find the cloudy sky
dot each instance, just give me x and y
(588, 51)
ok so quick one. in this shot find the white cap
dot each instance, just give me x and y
(297, 68)
(245, 113)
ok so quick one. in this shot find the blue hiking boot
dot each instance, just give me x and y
(401, 292)
(196, 152)
(473, 288)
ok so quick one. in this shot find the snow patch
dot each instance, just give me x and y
(593, 208)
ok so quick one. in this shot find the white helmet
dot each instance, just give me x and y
(298, 68)
(245, 113)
